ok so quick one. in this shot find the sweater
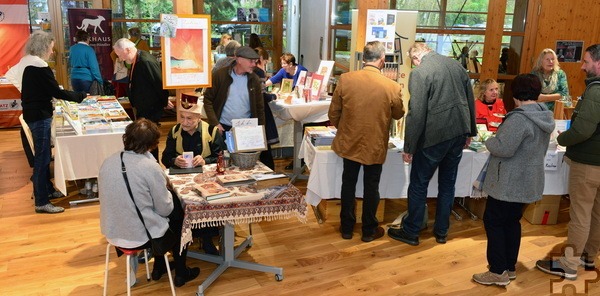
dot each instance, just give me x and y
(516, 168)
(83, 62)
(148, 182)
(583, 138)
(202, 142)
(39, 87)
(281, 74)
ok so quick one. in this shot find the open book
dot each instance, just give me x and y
(212, 190)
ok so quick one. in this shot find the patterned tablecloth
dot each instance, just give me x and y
(245, 205)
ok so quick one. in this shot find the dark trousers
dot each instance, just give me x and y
(445, 158)
(371, 177)
(503, 229)
(176, 224)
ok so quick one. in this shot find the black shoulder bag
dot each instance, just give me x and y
(160, 245)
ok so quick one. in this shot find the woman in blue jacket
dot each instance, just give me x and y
(83, 63)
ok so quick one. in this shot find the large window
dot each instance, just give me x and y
(142, 14)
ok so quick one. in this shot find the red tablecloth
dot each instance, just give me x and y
(10, 106)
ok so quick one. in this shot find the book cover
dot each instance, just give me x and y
(301, 78)
(235, 179)
(242, 14)
(315, 87)
(212, 190)
(286, 85)
(264, 181)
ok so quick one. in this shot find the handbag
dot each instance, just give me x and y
(120, 72)
(96, 89)
(159, 245)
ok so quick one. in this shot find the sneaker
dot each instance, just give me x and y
(586, 263)
(490, 278)
(49, 209)
(512, 275)
(555, 267)
(55, 194)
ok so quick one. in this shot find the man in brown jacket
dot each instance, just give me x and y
(363, 104)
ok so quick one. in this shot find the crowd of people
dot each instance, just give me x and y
(441, 119)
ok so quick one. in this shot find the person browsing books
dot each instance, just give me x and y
(192, 134)
(289, 70)
(362, 109)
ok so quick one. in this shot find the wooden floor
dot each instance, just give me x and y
(64, 254)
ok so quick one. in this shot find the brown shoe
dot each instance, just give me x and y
(379, 232)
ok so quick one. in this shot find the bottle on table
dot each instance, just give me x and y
(220, 164)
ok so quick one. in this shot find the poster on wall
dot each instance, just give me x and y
(569, 50)
(98, 23)
(14, 24)
(186, 56)
(381, 26)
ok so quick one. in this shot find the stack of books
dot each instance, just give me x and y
(235, 179)
(320, 135)
(212, 190)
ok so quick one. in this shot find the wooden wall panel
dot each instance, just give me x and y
(565, 20)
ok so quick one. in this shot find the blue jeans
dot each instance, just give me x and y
(80, 85)
(445, 157)
(40, 131)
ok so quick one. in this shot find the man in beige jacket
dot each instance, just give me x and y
(363, 104)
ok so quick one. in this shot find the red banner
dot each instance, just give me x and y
(98, 23)
(14, 31)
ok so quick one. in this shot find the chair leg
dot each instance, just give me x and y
(106, 270)
(147, 265)
(170, 276)
(128, 275)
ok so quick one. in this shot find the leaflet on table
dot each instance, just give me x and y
(96, 114)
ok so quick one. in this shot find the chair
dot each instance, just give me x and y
(130, 253)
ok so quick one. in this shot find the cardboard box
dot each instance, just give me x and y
(544, 211)
(476, 206)
(330, 210)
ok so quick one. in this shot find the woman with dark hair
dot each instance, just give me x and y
(254, 42)
(160, 209)
(515, 177)
(289, 70)
(34, 78)
(272, 135)
(83, 63)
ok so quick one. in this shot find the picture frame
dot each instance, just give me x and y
(249, 138)
(186, 57)
(286, 85)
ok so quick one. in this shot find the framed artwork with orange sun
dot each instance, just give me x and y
(185, 50)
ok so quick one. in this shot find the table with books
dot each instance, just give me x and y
(84, 135)
(301, 113)
(326, 167)
(234, 205)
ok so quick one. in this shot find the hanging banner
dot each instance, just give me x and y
(98, 23)
(14, 31)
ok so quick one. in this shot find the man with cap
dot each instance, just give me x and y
(194, 135)
(236, 92)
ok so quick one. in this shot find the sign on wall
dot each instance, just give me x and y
(14, 31)
(569, 50)
(98, 23)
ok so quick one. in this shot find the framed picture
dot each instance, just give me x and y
(185, 51)
(286, 85)
(249, 138)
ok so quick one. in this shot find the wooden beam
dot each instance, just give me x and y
(363, 6)
(181, 7)
(493, 39)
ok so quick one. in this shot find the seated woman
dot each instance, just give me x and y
(488, 106)
(289, 70)
(193, 134)
(119, 221)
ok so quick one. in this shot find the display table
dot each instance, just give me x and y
(326, 167)
(78, 155)
(301, 113)
(10, 106)
(246, 205)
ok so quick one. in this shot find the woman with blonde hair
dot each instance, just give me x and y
(225, 38)
(489, 108)
(552, 77)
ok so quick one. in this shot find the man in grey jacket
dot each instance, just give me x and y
(583, 156)
(440, 119)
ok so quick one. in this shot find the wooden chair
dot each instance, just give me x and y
(130, 253)
(561, 112)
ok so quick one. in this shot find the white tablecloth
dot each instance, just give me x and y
(325, 180)
(80, 156)
(305, 112)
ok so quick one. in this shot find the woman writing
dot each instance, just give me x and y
(552, 77)
(515, 177)
(35, 79)
(489, 108)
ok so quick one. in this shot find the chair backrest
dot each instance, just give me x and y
(27, 133)
(559, 110)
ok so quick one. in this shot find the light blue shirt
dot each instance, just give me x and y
(238, 100)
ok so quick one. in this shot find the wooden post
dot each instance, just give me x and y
(181, 7)
(493, 39)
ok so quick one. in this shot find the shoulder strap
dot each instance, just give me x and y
(124, 172)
